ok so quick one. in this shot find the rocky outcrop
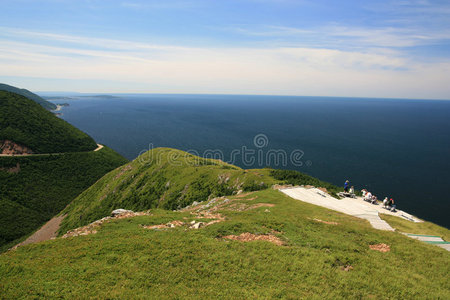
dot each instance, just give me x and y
(121, 211)
(8, 147)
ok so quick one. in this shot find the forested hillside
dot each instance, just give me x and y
(26, 93)
(28, 124)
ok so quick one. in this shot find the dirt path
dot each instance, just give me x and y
(45, 233)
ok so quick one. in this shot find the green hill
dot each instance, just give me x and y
(26, 123)
(170, 179)
(33, 188)
(26, 93)
(255, 244)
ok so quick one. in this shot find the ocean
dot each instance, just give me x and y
(395, 148)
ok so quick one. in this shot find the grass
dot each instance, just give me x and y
(124, 260)
(171, 179)
(161, 178)
(426, 228)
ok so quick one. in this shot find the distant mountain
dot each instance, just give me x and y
(26, 93)
(27, 124)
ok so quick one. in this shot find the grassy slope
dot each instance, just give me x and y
(26, 93)
(44, 186)
(27, 123)
(426, 228)
(171, 179)
(124, 260)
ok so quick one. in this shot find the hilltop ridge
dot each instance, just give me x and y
(30, 95)
(29, 126)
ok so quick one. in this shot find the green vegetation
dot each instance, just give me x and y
(35, 188)
(297, 178)
(26, 93)
(28, 124)
(124, 260)
(163, 178)
(405, 226)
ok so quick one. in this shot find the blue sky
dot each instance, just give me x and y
(284, 47)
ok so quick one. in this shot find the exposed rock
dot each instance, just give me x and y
(177, 223)
(197, 225)
(172, 224)
(8, 147)
(120, 211)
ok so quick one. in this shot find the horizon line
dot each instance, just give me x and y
(232, 94)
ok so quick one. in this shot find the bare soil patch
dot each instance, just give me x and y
(248, 237)
(261, 205)
(380, 247)
(8, 147)
(94, 226)
(243, 195)
(243, 206)
(326, 222)
(347, 268)
(281, 186)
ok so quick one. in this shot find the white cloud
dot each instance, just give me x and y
(172, 69)
(339, 36)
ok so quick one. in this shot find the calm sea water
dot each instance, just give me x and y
(395, 148)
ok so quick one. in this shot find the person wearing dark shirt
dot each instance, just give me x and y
(346, 186)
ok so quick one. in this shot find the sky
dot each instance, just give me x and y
(377, 48)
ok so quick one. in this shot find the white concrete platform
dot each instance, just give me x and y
(354, 207)
(361, 209)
